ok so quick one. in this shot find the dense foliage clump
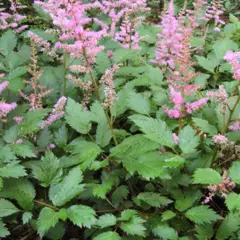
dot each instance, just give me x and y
(114, 127)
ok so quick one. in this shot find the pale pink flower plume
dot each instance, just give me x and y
(220, 139)
(234, 59)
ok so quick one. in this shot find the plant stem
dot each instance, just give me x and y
(46, 205)
(99, 99)
(65, 74)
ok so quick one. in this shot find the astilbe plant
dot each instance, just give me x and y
(112, 135)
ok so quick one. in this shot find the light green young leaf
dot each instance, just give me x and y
(77, 118)
(47, 218)
(12, 170)
(106, 220)
(68, 188)
(139, 104)
(3, 230)
(21, 190)
(26, 217)
(206, 176)
(234, 172)
(7, 208)
(202, 214)
(155, 129)
(134, 226)
(188, 142)
(229, 226)
(154, 199)
(48, 170)
(165, 233)
(107, 236)
(233, 201)
(204, 126)
(82, 216)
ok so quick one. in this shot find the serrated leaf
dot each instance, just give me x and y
(188, 142)
(155, 129)
(233, 201)
(134, 226)
(23, 150)
(204, 126)
(21, 190)
(47, 218)
(32, 121)
(86, 152)
(206, 63)
(8, 42)
(204, 231)
(106, 220)
(119, 194)
(206, 176)
(202, 214)
(11, 134)
(68, 188)
(102, 62)
(167, 215)
(7, 208)
(3, 230)
(26, 217)
(165, 233)
(82, 216)
(121, 55)
(45, 138)
(77, 118)
(107, 236)
(12, 170)
(61, 136)
(154, 199)
(139, 104)
(103, 134)
(234, 172)
(6, 154)
(17, 72)
(48, 170)
(229, 226)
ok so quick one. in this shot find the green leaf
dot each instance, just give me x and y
(233, 201)
(188, 142)
(154, 199)
(206, 176)
(229, 226)
(82, 216)
(11, 134)
(61, 136)
(23, 150)
(3, 230)
(202, 214)
(68, 188)
(26, 217)
(7, 208)
(154, 74)
(86, 152)
(133, 225)
(106, 220)
(17, 72)
(139, 104)
(103, 134)
(204, 126)
(77, 118)
(119, 194)
(167, 215)
(107, 236)
(102, 62)
(8, 42)
(165, 233)
(21, 190)
(12, 170)
(121, 55)
(234, 172)
(32, 121)
(48, 170)
(222, 46)
(155, 129)
(206, 63)
(47, 218)
(204, 232)
(6, 154)
(45, 138)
